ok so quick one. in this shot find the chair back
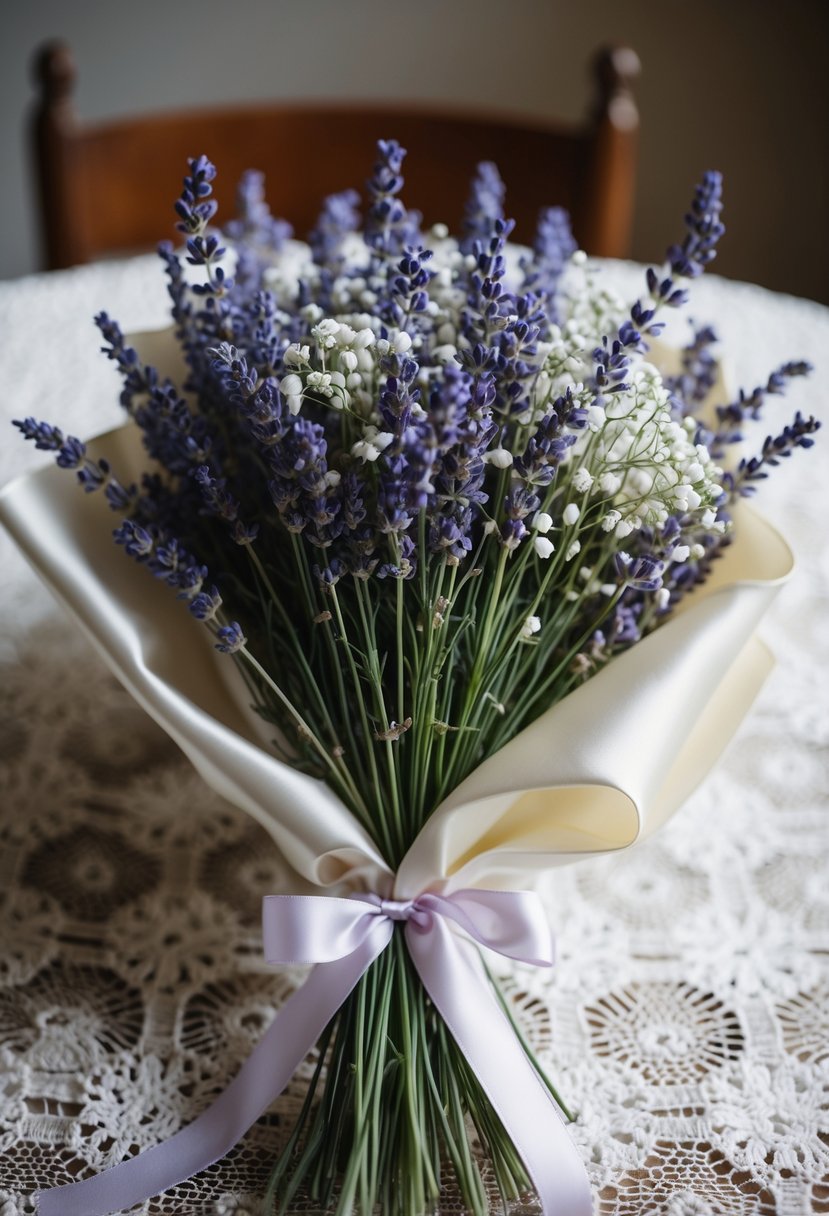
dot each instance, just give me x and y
(107, 187)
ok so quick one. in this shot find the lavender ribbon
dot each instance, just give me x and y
(344, 936)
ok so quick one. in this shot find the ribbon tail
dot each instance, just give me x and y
(263, 1076)
(461, 994)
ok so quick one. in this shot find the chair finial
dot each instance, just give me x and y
(616, 69)
(54, 71)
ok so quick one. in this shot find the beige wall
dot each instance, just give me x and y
(739, 85)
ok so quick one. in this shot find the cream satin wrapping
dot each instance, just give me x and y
(598, 771)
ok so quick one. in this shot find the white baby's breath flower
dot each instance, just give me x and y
(681, 553)
(363, 339)
(499, 457)
(572, 551)
(571, 514)
(543, 547)
(582, 480)
(320, 382)
(325, 333)
(610, 483)
(531, 625)
(542, 522)
(291, 386)
(296, 355)
(610, 521)
(365, 451)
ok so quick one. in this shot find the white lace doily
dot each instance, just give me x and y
(687, 1020)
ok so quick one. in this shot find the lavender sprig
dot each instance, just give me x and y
(748, 406)
(797, 434)
(484, 206)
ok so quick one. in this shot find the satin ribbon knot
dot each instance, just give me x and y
(344, 937)
(395, 909)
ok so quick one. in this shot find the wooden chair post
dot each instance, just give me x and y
(55, 126)
(609, 182)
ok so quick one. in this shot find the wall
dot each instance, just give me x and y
(739, 85)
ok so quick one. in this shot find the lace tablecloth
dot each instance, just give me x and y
(687, 1020)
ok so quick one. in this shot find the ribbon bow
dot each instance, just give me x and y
(344, 937)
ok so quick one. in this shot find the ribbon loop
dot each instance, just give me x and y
(345, 936)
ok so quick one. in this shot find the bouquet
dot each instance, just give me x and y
(436, 501)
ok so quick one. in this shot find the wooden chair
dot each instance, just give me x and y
(107, 188)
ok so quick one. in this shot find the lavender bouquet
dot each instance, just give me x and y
(421, 489)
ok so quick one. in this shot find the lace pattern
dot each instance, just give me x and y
(687, 1020)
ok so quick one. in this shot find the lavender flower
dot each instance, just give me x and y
(484, 206)
(339, 217)
(231, 638)
(553, 247)
(775, 448)
(389, 227)
(748, 406)
(704, 229)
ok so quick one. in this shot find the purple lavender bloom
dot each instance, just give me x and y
(623, 629)
(217, 500)
(484, 206)
(71, 454)
(612, 360)
(255, 231)
(520, 503)
(406, 295)
(389, 227)
(704, 229)
(642, 573)
(548, 445)
(699, 370)
(338, 218)
(515, 351)
(230, 638)
(489, 306)
(749, 405)
(254, 225)
(194, 207)
(406, 565)
(553, 247)
(775, 448)
(137, 541)
(205, 604)
(688, 260)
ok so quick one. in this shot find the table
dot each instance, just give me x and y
(687, 1020)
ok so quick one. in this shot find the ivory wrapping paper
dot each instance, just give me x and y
(593, 774)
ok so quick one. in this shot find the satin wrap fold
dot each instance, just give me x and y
(593, 774)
